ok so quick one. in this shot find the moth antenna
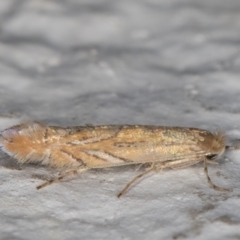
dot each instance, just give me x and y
(210, 181)
(124, 190)
(58, 179)
(233, 147)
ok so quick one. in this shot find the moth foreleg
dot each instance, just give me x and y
(209, 179)
(212, 162)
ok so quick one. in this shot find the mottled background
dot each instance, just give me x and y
(159, 62)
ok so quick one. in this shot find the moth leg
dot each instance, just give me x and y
(139, 167)
(212, 162)
(178, 164)
(124, 190)
(158, 167)
(209, 179)
(68, 174)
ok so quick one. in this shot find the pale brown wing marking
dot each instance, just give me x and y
(107, 157)
(79, 160)
(130, 144)
(95, 139)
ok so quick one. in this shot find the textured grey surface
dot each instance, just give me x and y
(169, 62)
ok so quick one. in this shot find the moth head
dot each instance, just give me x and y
(217, 147)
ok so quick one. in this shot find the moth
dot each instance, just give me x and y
(78, 149)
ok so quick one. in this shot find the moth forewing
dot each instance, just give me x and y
(77, 149)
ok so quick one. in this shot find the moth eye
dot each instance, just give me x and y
(211, 156)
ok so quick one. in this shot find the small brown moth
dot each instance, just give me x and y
(78, 149)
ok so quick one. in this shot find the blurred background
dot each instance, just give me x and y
(157, 62)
